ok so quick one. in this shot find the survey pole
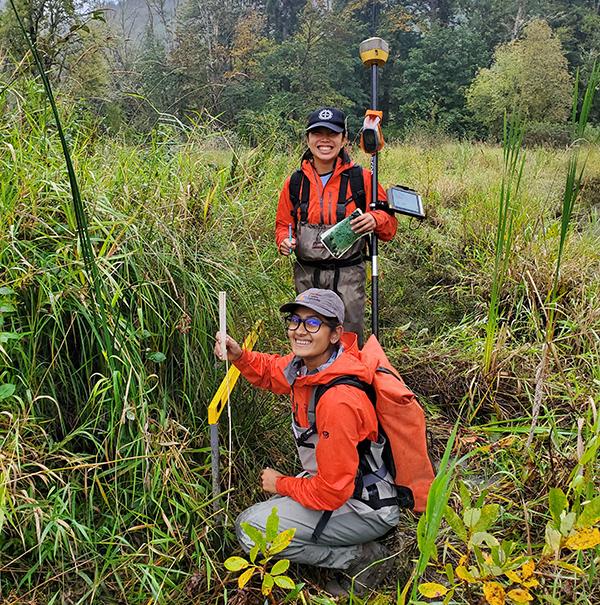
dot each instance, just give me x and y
(216, 407)
(374, 53)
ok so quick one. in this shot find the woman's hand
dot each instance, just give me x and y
(234, 351)
(365, 223)
(287, 246)
(269, 478)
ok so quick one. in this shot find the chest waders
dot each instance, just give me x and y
(374, 485)
(310, 252)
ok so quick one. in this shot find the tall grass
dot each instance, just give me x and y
(514, 161)
(117, 507)
(105, 478)
(573, 182)
(100, 324)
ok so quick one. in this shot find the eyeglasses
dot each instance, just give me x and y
(311, 324)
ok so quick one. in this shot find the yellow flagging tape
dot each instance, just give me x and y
(218, 401)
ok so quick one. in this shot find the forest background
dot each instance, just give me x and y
(253, 67)
(181, 123)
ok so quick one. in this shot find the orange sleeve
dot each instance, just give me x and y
(345, 417)
(283, 218)
(264, 371)
(386, 224)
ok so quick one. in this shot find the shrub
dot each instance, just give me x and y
(549, 134)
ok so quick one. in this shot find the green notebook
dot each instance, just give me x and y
(339, 238)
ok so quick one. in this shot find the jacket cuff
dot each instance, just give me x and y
(282, 485)
(243, 361)
(381, 217)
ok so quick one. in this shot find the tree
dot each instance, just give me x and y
(318, 65)
(433, 79)
(70, 39)
(50, 24)
(529, 75)
(86, 69)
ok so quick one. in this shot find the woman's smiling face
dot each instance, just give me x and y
(325, 146)
(314, 348)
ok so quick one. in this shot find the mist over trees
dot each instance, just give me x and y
(260, 66)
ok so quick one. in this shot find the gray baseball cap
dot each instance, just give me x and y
(325, 302)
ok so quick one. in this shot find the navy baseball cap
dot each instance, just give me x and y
(327, 117)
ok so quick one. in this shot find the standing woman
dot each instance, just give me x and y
(327, 188)
(345, 498)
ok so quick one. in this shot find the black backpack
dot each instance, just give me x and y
(300, 193)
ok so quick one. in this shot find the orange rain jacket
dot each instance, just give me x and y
(345, 417)
(323, 201)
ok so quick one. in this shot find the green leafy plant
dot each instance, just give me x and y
(269, 544)
(500, 569)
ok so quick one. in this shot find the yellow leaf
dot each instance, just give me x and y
(267, 585)
(463, 559)
(584, 538)
(494, 593)
(513, 576)
(570, 567)
(518, 595)
(282, 541)
(245, 577)
(463, 573)
(236, 564)
(527, 569)
(530, 583)
(432, 589)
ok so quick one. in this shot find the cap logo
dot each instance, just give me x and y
(325, 114)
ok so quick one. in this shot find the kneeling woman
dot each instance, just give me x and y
(344, 499)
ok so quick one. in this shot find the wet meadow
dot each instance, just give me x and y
(490, 309)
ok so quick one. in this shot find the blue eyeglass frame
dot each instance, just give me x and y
(316, 321)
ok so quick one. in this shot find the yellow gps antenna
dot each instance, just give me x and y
(374, 53)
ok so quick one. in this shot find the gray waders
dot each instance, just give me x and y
(331, 538)
(316, 268)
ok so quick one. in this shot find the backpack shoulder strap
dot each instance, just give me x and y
(349, 380)
(340, 210)
(357, 187)
(320, 390)
(357, 191)
(299, 194)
